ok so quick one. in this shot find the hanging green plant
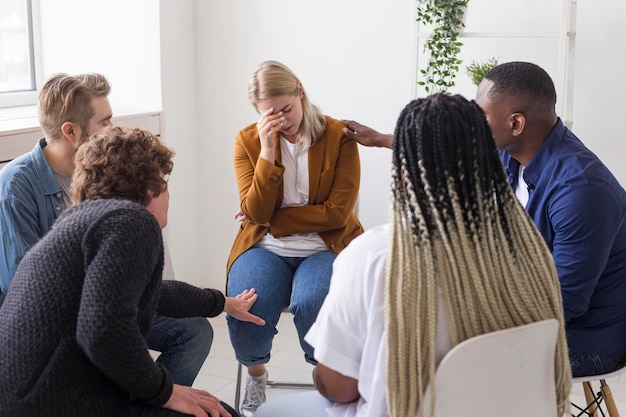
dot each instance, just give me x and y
(477, 70)
(446, 18)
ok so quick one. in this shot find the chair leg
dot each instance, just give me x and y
(238, 388)
(294, 385)
(590, 399)
(608, 399)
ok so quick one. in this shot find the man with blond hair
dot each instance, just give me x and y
(34, 191)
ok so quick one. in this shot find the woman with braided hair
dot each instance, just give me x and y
(459, 258)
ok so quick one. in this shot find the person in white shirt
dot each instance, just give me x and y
(459, 258)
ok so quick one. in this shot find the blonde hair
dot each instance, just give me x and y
(459, 233)
(273, 79)
(67, 98)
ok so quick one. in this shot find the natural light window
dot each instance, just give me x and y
(17, 53)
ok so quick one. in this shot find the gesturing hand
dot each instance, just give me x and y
(239, 307)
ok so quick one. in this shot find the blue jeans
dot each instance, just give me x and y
(184, 345)
(300, 283)
(588, 363)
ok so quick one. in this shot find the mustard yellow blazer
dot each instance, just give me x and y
(334, 177)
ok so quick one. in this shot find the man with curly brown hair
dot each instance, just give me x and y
(83, 298)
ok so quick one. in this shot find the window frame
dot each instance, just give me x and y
(29, 98)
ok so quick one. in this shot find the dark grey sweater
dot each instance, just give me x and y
(73, 323)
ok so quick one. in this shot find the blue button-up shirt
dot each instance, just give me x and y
(30, 201)
(580, 209)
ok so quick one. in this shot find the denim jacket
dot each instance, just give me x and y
(30, 201)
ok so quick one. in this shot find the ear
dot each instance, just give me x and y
(71, 131)
(517, 122)
(300, 90)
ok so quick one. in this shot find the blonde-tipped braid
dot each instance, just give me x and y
(457, 234)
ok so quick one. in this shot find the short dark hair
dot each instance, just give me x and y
(524, 82)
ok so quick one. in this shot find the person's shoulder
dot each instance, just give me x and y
(20, 172)
(17, 165)
(372, 242)
(114, 218)
(575, 162)
(114, 210)
(334, 126)
(249, 132)
(248, 138)
(123, 206)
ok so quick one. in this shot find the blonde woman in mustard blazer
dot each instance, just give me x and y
(298, 179)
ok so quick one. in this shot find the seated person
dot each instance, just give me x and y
(576, 203)
(34, 191)
(298, 178)
(75, 317)
(459, 258)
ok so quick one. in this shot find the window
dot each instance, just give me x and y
(18, 70)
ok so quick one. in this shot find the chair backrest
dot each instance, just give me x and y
(505, 373)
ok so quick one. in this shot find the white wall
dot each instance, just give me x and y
(600, 82)
(117, 38)
(180, 131)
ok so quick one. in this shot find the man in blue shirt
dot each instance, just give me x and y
(576, 203)
(34, 191)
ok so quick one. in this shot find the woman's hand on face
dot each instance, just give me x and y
(268, 126)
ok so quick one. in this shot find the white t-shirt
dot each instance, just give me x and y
(348, 334)
(295, 194)
(521, 191)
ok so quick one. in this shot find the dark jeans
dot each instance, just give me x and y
(589, 363)
(141, 410)
(184, 345)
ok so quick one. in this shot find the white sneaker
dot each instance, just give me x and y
(255, 394)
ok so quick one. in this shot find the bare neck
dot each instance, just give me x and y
(532, 140)
(60, 156)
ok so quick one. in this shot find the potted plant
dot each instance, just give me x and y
(446, 18)
(477, 70)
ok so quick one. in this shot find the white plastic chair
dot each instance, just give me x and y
(508, 373)
(594, 400)
(499, 374)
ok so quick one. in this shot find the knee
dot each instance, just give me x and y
(199, 334)
(204, 331)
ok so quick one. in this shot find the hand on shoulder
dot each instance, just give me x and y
(365, 135)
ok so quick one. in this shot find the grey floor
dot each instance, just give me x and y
(218, 375)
